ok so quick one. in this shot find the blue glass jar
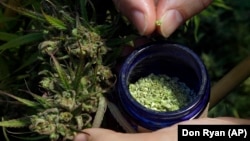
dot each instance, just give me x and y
(173, 60)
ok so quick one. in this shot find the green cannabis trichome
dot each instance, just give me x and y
(161, 92)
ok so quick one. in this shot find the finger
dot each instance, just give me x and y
(140, 12)
(98, 134)
(172, 13)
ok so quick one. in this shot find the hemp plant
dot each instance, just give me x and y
(161, 92)
(73, 76)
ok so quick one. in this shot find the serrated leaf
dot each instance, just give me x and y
(55, 22)
(15, 123)
(22, 100)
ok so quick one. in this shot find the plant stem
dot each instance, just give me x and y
(231, 80)
(102, 106)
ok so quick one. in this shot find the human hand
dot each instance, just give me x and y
(169, 13)
(169, 133)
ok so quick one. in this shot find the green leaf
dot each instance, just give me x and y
(25, 39)
(55, 22)
(25, 12)
(196, 27)
(78, 74)
(43, 101)
(62, 74)
(221, 4)
(22, 100)
(84, 13)
(7, 36)
(15, 123)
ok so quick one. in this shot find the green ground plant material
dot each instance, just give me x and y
(161, 92)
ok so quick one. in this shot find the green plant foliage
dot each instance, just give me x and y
(24, 11)
(55, 22)
(7, 36)
(16, 42)
(72, 78)
(15, 123)
(22, 100)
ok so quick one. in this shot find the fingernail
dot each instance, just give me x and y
(170, 22)
(81, 137)
(138, 19)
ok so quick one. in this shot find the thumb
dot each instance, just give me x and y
(140, 12)
(98, 134)
(172, 13)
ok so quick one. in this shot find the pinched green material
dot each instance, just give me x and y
(161, 93)
(158, 23)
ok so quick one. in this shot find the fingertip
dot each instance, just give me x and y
(143, 20)
(138, 18)
(140, 13)
(172, 13)
(81, 137)
(169, 22)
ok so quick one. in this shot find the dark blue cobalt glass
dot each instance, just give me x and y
(173, 60)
